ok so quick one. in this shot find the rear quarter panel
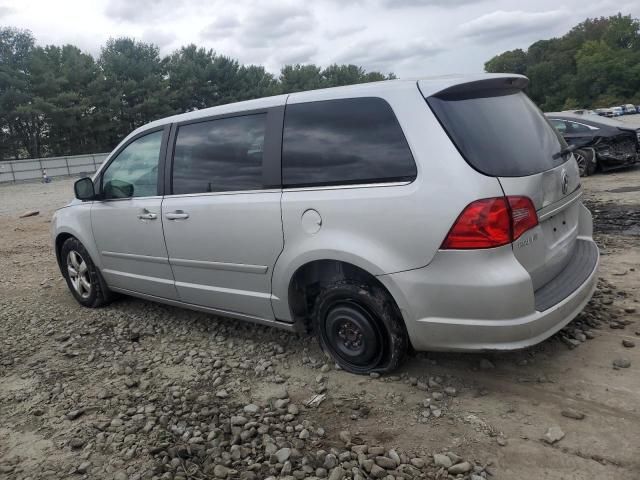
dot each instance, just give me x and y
(388, 228)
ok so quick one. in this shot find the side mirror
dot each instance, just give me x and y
(84, 189)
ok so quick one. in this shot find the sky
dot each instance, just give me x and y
(407, 37)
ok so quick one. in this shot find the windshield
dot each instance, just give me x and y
(500, 133)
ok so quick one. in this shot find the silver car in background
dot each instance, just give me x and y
(441, 213)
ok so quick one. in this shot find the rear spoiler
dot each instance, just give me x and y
(477, 88)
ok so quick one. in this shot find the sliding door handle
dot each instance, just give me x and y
(147, 215)
(177, 215)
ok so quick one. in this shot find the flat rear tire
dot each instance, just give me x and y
(360, 327)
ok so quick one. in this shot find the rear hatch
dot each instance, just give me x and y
(501, 133)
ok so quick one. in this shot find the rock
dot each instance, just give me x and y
(628, 343)
(385, 462)
(83, 467)
(376, 451)
(437, 396)
(238, 420)
(131, 382)
(441, 460)
(621, 363)
(345, 436)
(501, 441)
(251, 409)
(417, 462)
(330, 461)
(486, 364)
(452, 392)
(282, 393)
(30, 213)
(571, 413)
(220, 471)
(553, 435)
(76, 443)
(73, 414)
(463, 467)
(104, 394)
(454, 458)
(337, 473)
(283, 454)
(222, 393)
(377, 471)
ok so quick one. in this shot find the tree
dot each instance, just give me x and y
(595, 64)
(57, 100)
(514, 61)
(130, 89)
(19, 125)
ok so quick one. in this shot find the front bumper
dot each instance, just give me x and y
(482, 303)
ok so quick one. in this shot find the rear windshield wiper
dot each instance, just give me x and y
(564, 151)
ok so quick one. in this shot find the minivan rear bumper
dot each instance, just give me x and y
(483, 301)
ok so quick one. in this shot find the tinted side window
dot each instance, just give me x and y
(134, 172)
(559, 125)
(577, 128)
(355, 140)
(219, 155)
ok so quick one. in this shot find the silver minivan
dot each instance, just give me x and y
(441, 214)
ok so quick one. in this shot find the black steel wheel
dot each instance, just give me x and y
(360, 327)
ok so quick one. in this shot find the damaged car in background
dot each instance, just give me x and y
(600, 143)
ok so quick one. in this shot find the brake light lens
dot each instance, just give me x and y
(491, 222)
(523, 215)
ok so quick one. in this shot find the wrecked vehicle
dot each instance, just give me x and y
(379, 216)
(601, 143)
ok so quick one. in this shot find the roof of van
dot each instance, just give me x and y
(428, 86)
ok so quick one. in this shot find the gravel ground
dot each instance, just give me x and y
(139, 390)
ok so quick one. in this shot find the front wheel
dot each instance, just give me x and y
(82, 276)
(360, 327)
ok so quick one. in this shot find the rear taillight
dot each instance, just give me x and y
(491, 222)
(523, 215)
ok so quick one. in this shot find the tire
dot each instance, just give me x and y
(360, 327)
(83, 278)
(593, 162)
(583, 158)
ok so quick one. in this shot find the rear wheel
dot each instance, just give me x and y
(82, 276)
(359, 326)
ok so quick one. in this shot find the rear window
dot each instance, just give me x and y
(346, 141)
(501, 133)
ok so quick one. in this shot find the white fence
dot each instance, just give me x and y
(31, 168)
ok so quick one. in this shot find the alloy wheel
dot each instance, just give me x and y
(582, 163)
(79, 274)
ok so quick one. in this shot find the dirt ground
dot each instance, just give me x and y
(139, 390)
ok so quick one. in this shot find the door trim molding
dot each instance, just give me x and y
(135, 256)
(234, 267)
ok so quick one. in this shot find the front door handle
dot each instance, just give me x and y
(147, 215)
(177, 215)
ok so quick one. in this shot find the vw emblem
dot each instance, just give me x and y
(564, 178)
